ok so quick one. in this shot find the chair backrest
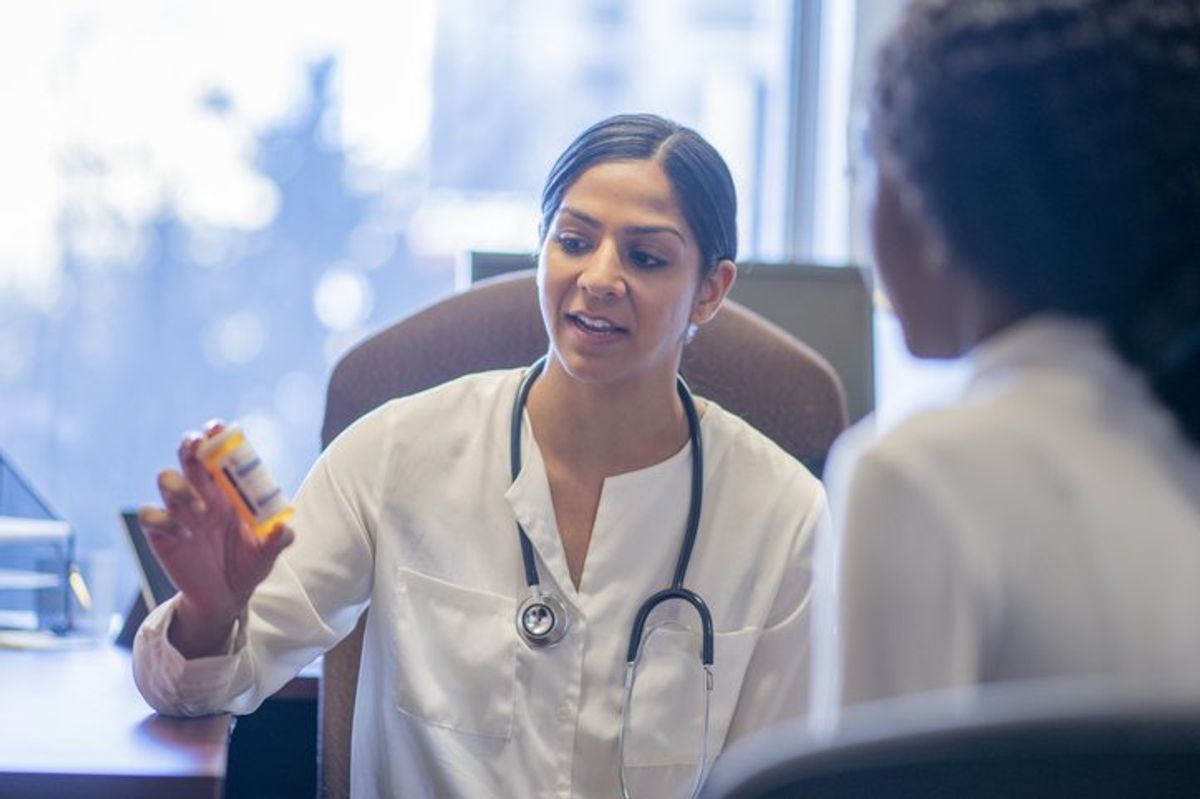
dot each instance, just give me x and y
(1021, 741)
(739, 360)
(828, 308)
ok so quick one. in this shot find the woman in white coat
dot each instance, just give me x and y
(415, 510)
(1036, 207)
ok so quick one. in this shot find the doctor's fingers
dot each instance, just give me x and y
(195, 472)
(278, 539)
(160, 528)
(184, 504)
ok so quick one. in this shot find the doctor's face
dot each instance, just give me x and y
(619, 276)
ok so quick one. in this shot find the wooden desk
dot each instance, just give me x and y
(72, 723)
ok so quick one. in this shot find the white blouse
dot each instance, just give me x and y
(1045, 525)
(413, 511)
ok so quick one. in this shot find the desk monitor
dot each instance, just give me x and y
(155, 586)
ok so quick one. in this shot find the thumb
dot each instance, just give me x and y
(279, 539)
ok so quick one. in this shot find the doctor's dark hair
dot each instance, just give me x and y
(1054, 145)
(699, 176)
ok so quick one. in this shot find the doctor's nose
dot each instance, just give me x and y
(603, 275)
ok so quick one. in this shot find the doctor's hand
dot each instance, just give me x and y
(211, 555)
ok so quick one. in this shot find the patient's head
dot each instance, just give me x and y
(1046, 155)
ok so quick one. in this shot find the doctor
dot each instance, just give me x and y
(494, 660)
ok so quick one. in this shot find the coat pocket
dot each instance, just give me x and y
(457, 654)
(666, 711)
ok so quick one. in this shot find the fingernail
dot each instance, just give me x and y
(198, 505)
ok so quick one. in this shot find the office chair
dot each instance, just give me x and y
(739, 360)
(1031, 741)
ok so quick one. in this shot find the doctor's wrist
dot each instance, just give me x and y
(201, 632)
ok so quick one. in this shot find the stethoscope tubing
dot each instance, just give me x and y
(544, 604)
(695, 502)
(514, 457)
(686, 595)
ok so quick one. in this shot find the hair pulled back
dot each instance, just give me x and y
(699, 176)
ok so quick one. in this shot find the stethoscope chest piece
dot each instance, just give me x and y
(542, 620)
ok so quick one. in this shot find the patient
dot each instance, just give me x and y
(1037, 207)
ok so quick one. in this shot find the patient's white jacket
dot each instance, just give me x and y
(413, 511)
(1046, 525)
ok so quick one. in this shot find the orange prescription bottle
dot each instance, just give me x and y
(244, 480)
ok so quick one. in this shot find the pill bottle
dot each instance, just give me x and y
(244, 480)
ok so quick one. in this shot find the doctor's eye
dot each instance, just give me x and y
(646, 260)
(572, 244)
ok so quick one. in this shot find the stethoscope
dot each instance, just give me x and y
(543, 620)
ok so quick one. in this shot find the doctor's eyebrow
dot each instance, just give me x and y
(592, 222)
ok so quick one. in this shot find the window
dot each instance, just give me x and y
(206, 204)
(905, 384)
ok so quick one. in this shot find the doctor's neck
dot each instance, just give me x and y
(612, 427)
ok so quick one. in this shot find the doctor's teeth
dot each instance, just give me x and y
(595, 324)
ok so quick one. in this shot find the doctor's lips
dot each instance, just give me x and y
(594, 325)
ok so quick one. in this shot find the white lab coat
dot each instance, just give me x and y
(1045, 525)
(413, 509)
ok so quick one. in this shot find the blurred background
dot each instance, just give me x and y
(205, 205)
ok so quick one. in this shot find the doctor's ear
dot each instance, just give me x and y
(713, 288)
